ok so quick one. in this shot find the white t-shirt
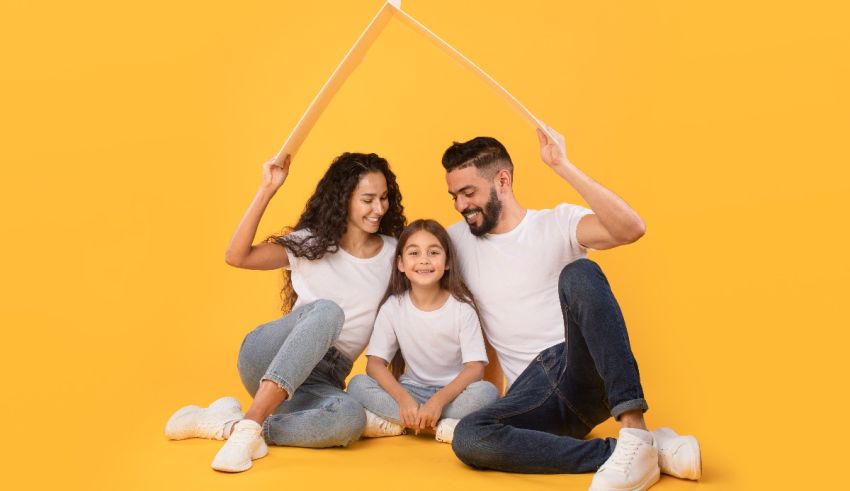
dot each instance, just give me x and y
(514, 278)
(357, 285)
(434, 345)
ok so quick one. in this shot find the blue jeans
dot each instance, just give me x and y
(564, 393)
(374, 398)
(296, 352)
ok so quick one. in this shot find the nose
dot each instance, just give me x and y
(460, 203)
(379, 208)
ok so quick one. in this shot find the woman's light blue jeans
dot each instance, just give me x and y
(296, 352)
(374, 398)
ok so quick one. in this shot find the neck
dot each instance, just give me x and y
(358, 243)
(512, 215)
(428, 297)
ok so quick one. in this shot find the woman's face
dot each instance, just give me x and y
(368, 203)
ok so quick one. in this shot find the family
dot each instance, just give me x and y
(445, 317)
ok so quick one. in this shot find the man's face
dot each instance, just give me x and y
(475, 198)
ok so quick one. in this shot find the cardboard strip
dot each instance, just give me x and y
(355, 56)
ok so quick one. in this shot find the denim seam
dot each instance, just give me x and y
(535, 406)
(283, 384)
(561, 395)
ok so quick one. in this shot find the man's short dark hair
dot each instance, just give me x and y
(484, 153)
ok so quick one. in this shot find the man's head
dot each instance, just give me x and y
(479, 174)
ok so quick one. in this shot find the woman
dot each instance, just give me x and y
(337, 261)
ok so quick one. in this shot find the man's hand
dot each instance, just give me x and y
(553, 150)
(429, 414)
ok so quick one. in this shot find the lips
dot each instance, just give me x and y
(471, 215)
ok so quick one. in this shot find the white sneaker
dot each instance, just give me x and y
(377, 426)
(678, 456)
(200, 422)
(244, 445)
(446, 429)
(632, 467)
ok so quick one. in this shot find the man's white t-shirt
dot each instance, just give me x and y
(514, 278)
(434, 345)
(357, 285)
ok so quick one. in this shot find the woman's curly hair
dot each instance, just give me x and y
(326, 213)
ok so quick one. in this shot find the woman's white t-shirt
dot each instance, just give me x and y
(357, 285)
(434, 344)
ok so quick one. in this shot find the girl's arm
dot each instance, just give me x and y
(430, 412)
(376, 367)
(242, 253)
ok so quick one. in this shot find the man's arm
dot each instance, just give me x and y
(614, 222)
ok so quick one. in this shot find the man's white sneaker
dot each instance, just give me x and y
(632, 467)
(446, 429)
(377, 426)
(678, 455)
(244, 445)
(200, 422)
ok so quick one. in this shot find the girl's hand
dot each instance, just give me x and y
(409, 410)
(275, 172)
(429, 414)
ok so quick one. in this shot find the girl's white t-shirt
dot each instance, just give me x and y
(434, 345)
(357, 285)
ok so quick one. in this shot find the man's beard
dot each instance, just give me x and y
(489, 215)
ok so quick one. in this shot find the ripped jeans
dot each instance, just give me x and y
(296, 352)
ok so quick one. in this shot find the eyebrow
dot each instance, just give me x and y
(468, 186)
(436, 244)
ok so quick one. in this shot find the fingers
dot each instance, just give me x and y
(541, 136)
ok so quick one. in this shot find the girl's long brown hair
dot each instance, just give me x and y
(452, 280)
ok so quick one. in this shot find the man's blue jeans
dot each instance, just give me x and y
(564, 393)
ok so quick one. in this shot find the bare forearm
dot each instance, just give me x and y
(243, 238)
(472, 372)
(618, 218)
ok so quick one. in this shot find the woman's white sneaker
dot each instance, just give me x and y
(632, 467)
(678, 455)
(244, 445)
(200, 422)
(446, 430)
(377, 426)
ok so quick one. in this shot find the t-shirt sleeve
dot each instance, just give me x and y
(471, 340)
(383, 343)
(568, 217)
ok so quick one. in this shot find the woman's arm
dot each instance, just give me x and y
(376, 367)
(430, 412)
(242, 253)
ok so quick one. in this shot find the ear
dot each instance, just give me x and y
(399, 264)
(503, 179)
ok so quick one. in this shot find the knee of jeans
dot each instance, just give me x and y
(331, 313)
(487, 391)
(358, 385)
(579, 276)
(467, 443)
(351, 419)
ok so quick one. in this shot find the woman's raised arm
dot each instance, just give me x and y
(242, 252)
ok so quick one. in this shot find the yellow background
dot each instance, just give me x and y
(133, 134)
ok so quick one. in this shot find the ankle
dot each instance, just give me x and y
(633, 419)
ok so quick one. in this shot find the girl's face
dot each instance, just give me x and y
(423, 259)
(368, 203)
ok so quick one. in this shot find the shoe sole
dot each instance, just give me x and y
(698, 460)
(261, 451)
(643, 486)
(171, 432)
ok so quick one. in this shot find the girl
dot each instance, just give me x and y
(429, 316)
(334, 260)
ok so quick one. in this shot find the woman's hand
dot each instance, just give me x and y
(409, 411)
(429, 414)
(275, 172)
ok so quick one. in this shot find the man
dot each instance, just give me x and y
(555, 325)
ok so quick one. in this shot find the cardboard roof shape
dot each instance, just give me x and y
(391, 9)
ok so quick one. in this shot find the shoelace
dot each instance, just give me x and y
(623, 455)
(242, 436)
